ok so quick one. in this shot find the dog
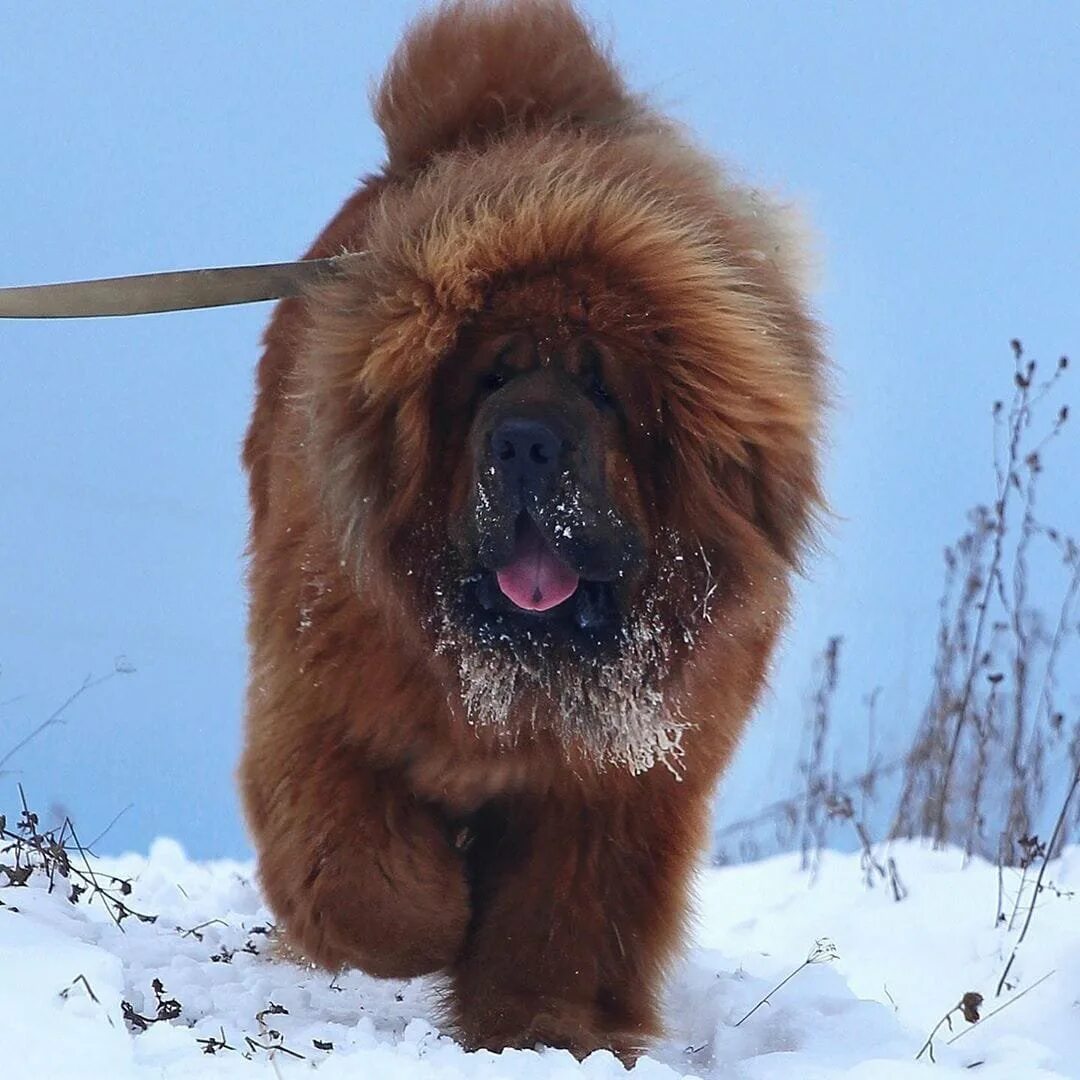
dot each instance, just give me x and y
(529, 483)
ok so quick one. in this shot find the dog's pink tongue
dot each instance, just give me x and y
(536, 579)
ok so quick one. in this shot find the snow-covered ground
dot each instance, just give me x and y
(66, 969)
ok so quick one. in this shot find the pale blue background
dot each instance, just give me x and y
(933, 145)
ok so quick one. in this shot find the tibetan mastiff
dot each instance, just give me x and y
(529, 483)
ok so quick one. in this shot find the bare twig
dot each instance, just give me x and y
(968, 1007)
(194, 931)
(1018, 421)
(1058, 827)
(65, 993)
(899, 889)
(783, 808)
(999, 916)
(823, 952)
(1003, 1005)
(122, 667)
(108, 828)
(817, 789)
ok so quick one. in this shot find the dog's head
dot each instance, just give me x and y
(573, 435)
(564, 417)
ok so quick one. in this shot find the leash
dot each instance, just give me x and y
(178, 290)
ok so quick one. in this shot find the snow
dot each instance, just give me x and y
(66, 967)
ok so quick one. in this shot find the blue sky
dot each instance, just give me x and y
(932, 146)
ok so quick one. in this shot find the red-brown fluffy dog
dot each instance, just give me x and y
(528, 486)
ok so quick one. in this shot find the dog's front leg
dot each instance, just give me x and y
(360, 872)
(578, 907)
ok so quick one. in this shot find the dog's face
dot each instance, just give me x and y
(551, 572)
(546, 516)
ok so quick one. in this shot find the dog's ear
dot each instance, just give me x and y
(756, 495)
(786, 495)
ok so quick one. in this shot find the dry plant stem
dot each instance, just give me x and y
(1058, 827)
(823, 952)
(1017, 423)
(1061, 632)
(899, 889)
(108, 828)
(1024, 767)
(98, 890)
(867, 789)
(841, 806)
(1003, 1005)
(210, 1045)
(783, 808)
(272, 1048)
(779, 986)
(50, 854)
(870, 864)
(89, 989)
(968, 1007)
(57, 717)
(979, 764)
(1025, 866)
(999, 915)
(928, 1046)
(817, 786)
(925, 748)
(194, 931)
(984, 729)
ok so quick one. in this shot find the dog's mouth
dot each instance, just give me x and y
(535, 588)
(535, 578)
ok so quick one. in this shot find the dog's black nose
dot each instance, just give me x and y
(526, 451)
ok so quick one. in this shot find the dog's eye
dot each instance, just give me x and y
(493, 380)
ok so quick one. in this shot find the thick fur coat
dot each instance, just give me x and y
(528, 485)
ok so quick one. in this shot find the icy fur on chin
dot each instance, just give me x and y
(613, 708)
